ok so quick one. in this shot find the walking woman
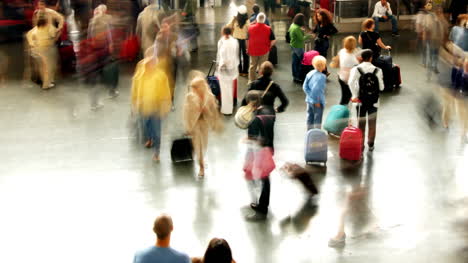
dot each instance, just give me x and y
(240, 28)
(200, 116)
(348, 58)
(227, 70)
(323, 30)
(151, 98)
(41, 41)
(297, 36)
(368, 39)
(314, 89)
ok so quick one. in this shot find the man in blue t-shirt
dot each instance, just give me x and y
(161, 252)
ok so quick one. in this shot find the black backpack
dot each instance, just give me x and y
(368, 87)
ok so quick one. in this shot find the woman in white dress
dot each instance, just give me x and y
(227, 70)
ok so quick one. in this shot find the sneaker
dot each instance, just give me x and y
(395, 34)
(256, 216)
(333, 242)
(371, 147)
(156, 158)
(114, 94)
(149, 144)
(436, 71)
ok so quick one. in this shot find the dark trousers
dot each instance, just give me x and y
(243, 57)
(345, 92)
(321, 46)
(269, 4)
(264, 200)
(368, 113)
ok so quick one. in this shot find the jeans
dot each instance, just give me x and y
(314, 116)
(151, 127)
(264, 200)
(430, 55)
(297, 55)
(345, 92)
(380, 19)
(243, 57)
(368, 113)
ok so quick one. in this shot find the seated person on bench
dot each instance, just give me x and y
(383, 13)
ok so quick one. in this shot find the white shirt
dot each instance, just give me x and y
(355, 75)
(227, 57)
(380, 10)
(347, 62)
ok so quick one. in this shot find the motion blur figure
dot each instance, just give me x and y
(148, 25)
(200, 116)
(41, 42)
(101, 46)
(431, 27)
(460, 85)
(151, 98)
(53, 17)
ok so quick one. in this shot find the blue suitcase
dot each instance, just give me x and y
(316, 146)
(337, 120)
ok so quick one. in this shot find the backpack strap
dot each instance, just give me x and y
(375, 71)
(360, 70)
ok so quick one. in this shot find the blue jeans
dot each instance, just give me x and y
(297, 55)
(430, 55)
(380, 19)
(314, 116)
(151, 127)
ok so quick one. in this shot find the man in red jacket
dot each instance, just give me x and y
(260, 39)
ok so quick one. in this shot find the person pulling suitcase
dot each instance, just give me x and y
(366, 82)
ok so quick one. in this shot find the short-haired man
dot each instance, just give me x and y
(51, 15)
(383, 13)
(253, 17)
(260, 40)
(368, 108)
(162, 252)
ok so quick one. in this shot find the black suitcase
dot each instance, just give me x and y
(386, 64)
(273, 55)
(181, 150)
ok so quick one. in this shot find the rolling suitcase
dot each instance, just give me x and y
(213, 81)
(385, 63)
(351, 142)
(181, 150)
(337, 120)
(316, 147)
(396, 76)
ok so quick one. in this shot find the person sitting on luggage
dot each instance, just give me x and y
(314, 88)
(369, 39)
(366, 82)
(383, 13)
(275, 91)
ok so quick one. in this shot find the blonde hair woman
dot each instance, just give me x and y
(347, 59)
(314, 88)
(200, 115)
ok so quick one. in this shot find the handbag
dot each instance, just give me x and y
(259, 164)
(245, 114)
(130, 48)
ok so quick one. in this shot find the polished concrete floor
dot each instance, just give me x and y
(75, 187)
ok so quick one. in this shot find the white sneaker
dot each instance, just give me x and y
(97, 107)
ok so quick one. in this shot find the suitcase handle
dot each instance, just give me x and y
(359, 104)
(211, 67)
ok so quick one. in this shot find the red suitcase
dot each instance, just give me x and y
(351, 142)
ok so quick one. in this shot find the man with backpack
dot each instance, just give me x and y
(366, 82)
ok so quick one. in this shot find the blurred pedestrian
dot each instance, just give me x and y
(460, 84)
(240, 28)
(274, 90)
(148, 25)
(41, 41)
(151, 99)
(323, 30)
(297, 43)
(218, 251)
(261, 39)
(259, 161)
(368, 39)
(162, 251)
(347, 59)
(53, 17)
(227, 71)
(314, 89)
(365, 90)
(459, 33)
(200, 116)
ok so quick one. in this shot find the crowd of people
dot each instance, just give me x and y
(243, 50)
